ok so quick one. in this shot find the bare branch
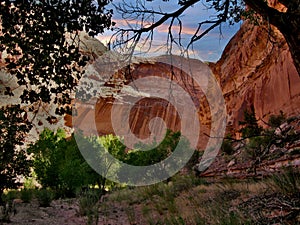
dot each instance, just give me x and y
(142, 20)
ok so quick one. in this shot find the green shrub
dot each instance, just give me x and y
(89, 205)
(44, 197)
(6, 210)
(276, 120)
(138, 157)
(286, 182)
(26, 195)
(256, 146)
(227, 147)
(10, 195)
(87, 202)
(250, 127)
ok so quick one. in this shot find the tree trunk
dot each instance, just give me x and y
(287, 22)
(1, 200)
(291, 32)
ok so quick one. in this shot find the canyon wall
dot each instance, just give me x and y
(256, 69)
(97, 117)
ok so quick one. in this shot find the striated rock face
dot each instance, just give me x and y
(242, 164)
(100, 111)
(256, 69)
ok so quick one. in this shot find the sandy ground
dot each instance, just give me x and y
(64, 212)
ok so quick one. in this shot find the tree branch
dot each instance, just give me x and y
(261, 7)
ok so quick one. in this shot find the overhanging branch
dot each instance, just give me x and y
(262, 8)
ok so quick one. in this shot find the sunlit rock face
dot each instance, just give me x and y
(96, 117)
(256, 69)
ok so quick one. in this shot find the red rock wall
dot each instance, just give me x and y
(144, 110)
(256, 69)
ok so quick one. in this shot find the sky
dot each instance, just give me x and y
(209, 48)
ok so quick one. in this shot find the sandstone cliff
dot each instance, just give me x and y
(256, 69)
(100, 112)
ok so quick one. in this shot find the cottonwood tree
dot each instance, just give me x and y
(148, 19)
(45, 64)
(13, 162)
(38, 54)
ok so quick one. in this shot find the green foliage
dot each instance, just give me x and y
(38, 53)
(257, 145)
(59, 164)
(89, 205)
(276, 120)
(227, 147)
(250, 126)
(113, 145)
(138, 157)
(46, 66)
(287, 182)
(44, 197)
(26, 195)
(14, 161)
(259, 141)
(47, 155)
(30, 182)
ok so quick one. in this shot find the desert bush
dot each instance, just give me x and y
(250, 127)
(227, 147)
(276, 120)
(26, 195)
(87, 202)
(10, 195)
(286, 182)
(256, 146)
(44, 197)
(6, 210)
(7, 206)
(89, 205)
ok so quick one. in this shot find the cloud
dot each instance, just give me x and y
(209, 48)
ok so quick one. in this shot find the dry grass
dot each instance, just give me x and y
(185, 200)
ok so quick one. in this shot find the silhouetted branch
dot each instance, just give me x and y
(141, 20)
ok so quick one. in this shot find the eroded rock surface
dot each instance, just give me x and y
(256, 69)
